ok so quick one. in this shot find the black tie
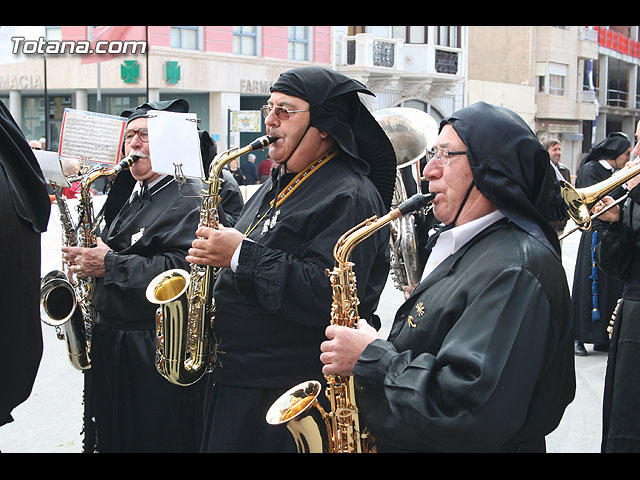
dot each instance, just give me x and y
(131, 208)
(431, 241)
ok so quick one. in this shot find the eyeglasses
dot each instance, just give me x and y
(143, 135)
(282, 113)
(442, 155)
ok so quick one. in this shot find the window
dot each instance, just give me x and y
(448, 36)
(245, 40)
(184, 37)
(298, 43)
(53, 33)
(410, 34)
(355, 30)
(556, 84)
(557, 78)
(552, 78)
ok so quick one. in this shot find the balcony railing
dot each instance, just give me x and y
(613, 40)
(617, 98)
(365, 50)
(370, 51)
(446, 62)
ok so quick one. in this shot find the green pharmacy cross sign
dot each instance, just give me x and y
(172, 72)
(130, 71)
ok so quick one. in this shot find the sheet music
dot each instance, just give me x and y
(91, 136)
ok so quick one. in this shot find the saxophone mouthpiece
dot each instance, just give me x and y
(416, 202)
(262, 142)
(130, 160)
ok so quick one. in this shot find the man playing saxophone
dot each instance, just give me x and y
(136, 409)
(480, 356)
(336, 168)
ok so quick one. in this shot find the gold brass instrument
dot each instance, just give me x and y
(341, 430)
(185, 346)
(580, 201)
(59, 297)
(411, 132)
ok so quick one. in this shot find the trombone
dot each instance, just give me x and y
(580, 201)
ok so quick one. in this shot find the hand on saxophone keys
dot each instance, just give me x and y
(344, 346)
(214, 246)
(86, 262)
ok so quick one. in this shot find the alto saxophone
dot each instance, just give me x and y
(185, 346)
(341, 430)
(59, 297)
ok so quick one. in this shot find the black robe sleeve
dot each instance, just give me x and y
(292, 285)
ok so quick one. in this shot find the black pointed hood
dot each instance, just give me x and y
(510, 167)
(335, 108)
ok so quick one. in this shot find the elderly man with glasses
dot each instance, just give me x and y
(480, 357)
(335, 167)
(148, 229)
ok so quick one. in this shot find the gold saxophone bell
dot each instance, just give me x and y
(580, 201)
(298, 408)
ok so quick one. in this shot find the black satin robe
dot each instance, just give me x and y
(272, 312)
(24, 215)
(590, 328)
(480, 357)
(619, 255)
(135, 408)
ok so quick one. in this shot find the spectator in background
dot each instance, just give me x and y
(562, 172)
(250, 170)
(264, 169)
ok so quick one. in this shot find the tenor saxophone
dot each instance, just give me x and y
(65, 305)
(185, 343)
(341, 430)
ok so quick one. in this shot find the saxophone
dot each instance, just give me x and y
(341, 430)
(59, 297)
(185, 345)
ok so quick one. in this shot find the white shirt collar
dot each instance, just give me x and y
(450, 241)
(138, 186)
(606, 165)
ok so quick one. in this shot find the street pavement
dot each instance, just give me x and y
(49, 421)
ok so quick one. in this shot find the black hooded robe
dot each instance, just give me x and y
(24, 215)
(480, 357)
(136, 409)
(618, 254)
(272, 312)
(591, 326)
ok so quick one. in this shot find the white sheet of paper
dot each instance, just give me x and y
(174, 141)
(51, 168)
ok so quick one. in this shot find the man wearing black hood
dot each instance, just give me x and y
(335, 168)
(149, 228)
(594, 293)
(479, 358)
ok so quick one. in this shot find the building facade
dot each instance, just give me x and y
(220, 70)
(572, 83)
